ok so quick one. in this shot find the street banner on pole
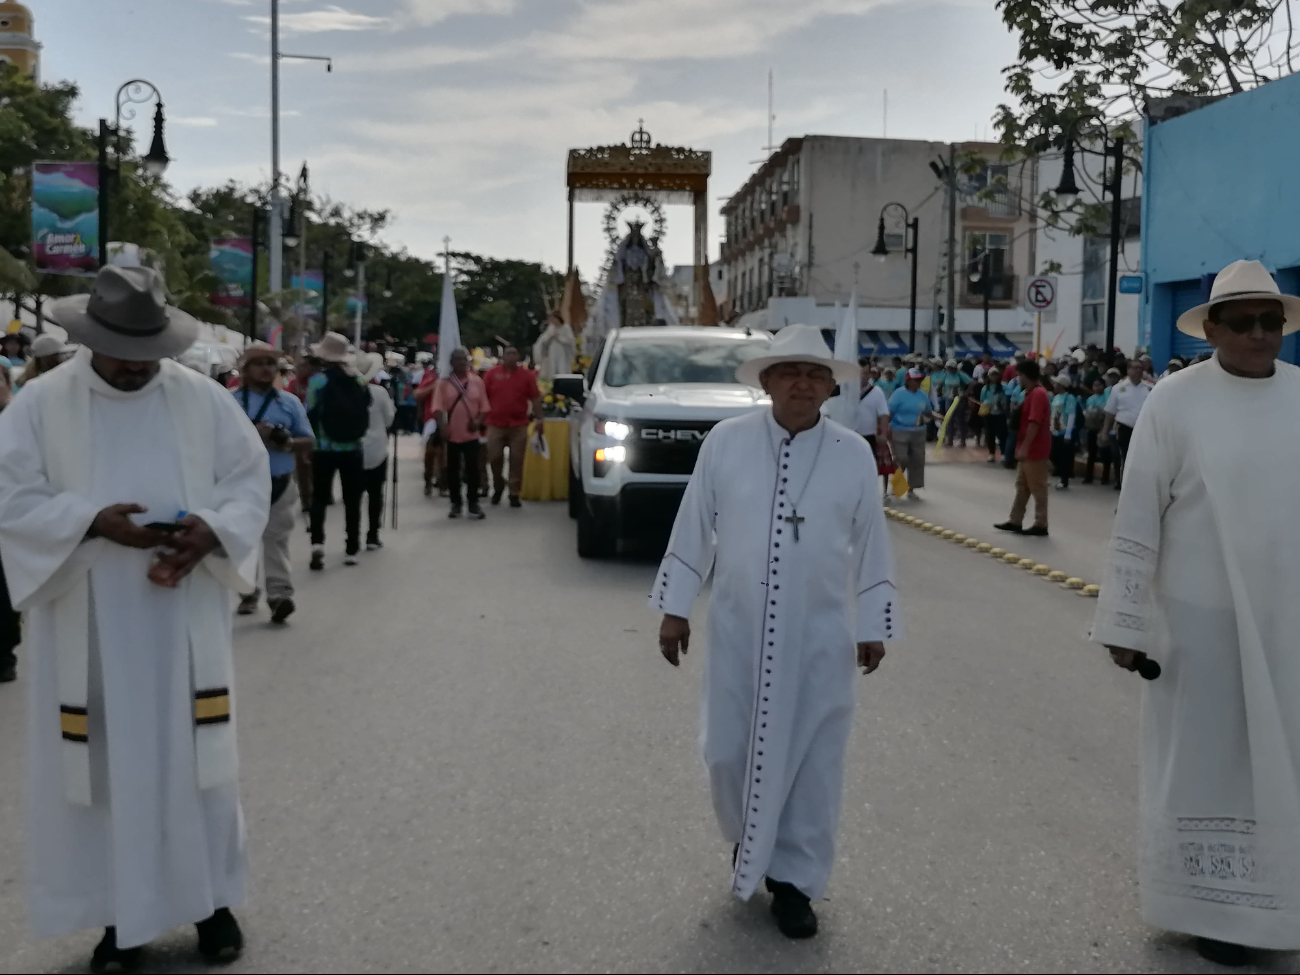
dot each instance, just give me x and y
(312, 284)
(65, 217)
(232, 263)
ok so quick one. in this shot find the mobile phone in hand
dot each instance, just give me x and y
(171, 527)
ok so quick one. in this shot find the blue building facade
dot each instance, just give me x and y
(1220, 184)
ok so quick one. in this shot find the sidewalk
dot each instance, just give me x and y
(965, 493)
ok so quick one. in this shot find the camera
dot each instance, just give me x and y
(279, 435)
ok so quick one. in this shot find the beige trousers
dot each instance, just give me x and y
(516, 439)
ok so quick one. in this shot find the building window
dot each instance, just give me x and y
(991, 189)
(1096, 257)
(978, 244)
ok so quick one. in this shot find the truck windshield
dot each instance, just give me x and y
(680, 360)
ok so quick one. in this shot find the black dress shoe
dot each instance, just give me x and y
(476, 513)
(220, 939)
(1223, 953)
(108, 957)
(248, 604)
(455, 511)
(792, 910)
(1009, 526)
(1035, 530)
(496, 495)
(8, 668)
(516, 503)
(281, 609)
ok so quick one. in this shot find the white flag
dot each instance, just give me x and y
(448, 326)
(846, 350)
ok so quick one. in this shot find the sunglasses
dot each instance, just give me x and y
(1269, 321)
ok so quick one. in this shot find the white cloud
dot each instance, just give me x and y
(427, 12)
(257, 111)
(194, 122)
(248, 56)
(331, 18)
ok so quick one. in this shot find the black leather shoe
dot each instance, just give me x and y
(792, 910)
(1035, 530)
(516, 503)
(220, 939)
(248, 604)
(1223, 953)
(108, 957)
(454, 512)
(1009, 526)
(476, 513)
(8, 668)
(281, 609)
(496, 495)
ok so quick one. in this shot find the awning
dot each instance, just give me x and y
(881, 343)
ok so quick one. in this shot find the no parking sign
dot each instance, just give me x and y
(1040, 296)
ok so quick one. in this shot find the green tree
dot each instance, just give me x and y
(503, 299)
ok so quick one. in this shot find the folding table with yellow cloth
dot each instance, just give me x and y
(546, 471)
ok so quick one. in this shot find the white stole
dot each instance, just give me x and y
(66, 449)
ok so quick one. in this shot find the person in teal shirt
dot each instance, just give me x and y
(994, 404)
(1065, 409)
(886, 383)
(909, 410)
(951, 385)
(1093, 418)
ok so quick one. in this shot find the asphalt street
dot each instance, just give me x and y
(466, 754)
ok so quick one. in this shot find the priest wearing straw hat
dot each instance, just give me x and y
(1203, 576)
(782, 507)
(133, 495)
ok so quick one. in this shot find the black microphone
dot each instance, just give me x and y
(1148, 668)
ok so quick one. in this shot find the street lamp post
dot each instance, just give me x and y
(137, 91)
(982, 274)
(912, 224)
(259, 217)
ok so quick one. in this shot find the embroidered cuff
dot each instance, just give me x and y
(676, 586)
(879, 615)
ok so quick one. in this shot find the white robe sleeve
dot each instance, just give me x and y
(241, 495)
(689, 558)
(1126, 612)
(879, 615)
(41, 529)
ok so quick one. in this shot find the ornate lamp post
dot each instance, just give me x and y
(912, 224)
(134, 92)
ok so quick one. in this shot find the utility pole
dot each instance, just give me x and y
(1116, 191)
(274, 244)
(952, 246)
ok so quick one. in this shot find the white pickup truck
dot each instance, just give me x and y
(650, 398)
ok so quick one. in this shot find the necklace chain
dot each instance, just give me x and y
(776, 456)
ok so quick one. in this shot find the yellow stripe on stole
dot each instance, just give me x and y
(210, 710)
(75, 727)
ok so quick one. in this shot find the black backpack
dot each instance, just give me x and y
(343, 408)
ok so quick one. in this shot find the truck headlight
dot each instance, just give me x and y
(613, 429)
(611, 455)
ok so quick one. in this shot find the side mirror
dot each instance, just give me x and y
(571, 386)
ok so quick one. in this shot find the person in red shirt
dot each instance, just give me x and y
(1033, 446)
(511, 389)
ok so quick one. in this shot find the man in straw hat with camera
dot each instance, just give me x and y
(783, 508)
(133, 495)
(1203, 576)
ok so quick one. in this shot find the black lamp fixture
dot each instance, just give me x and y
(388, 284)
(1067, 190)
(880, 250)
(156, 160)
(292, 233)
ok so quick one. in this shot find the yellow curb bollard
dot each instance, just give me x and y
(986, 548)
(938, 530)
(1074, 582)
(927, 525)
(1041, 570)
(1011, 558)
(1056, 575)
(972, 543)
(947, 533)
(1027, 563)
(1093, 591)
(959, 539)
(997, 553)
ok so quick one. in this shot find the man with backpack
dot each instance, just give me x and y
(338, 405)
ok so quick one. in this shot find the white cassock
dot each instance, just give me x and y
(154, 836)
(779, 681)
(1204, 575)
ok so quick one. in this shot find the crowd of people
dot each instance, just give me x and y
(1082, 417)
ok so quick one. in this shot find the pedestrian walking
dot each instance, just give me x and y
(122, 473)
(776, 722)
(1065, 410)
(306, 367)
(281, 423)
(460, 404)
(994, 404)
(952, 383)
(1033, 448)
(871, 417)
(434, 448)
(1202, 577)
(512, 391)
(1094, 418)
(909, 411)
(374, 448)
(1122, 409)
(339, 408)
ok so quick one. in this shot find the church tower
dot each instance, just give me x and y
(18, 44)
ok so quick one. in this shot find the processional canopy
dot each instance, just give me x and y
(665, 174)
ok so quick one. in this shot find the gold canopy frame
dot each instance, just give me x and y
(665, 174)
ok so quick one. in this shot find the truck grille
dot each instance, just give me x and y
(668, 447)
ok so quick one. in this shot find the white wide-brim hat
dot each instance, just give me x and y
(797, 343)
(333, 348)
(1241, 281)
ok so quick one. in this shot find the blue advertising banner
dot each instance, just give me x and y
(65, 217)
(232, 263)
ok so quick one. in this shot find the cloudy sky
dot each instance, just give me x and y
(457, 114)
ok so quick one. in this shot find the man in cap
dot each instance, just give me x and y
(133, 495)
(782, 505)
(339, 407)
(1203, 573)
(281, 422)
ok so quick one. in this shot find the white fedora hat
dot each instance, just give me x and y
(1241, 281)
(797, 343)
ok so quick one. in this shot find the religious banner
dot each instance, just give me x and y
(65, 217)
(232, 263)
(312, 288)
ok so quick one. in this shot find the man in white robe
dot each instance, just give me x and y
(1204, 576)
(133, 495)
(782, 507)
